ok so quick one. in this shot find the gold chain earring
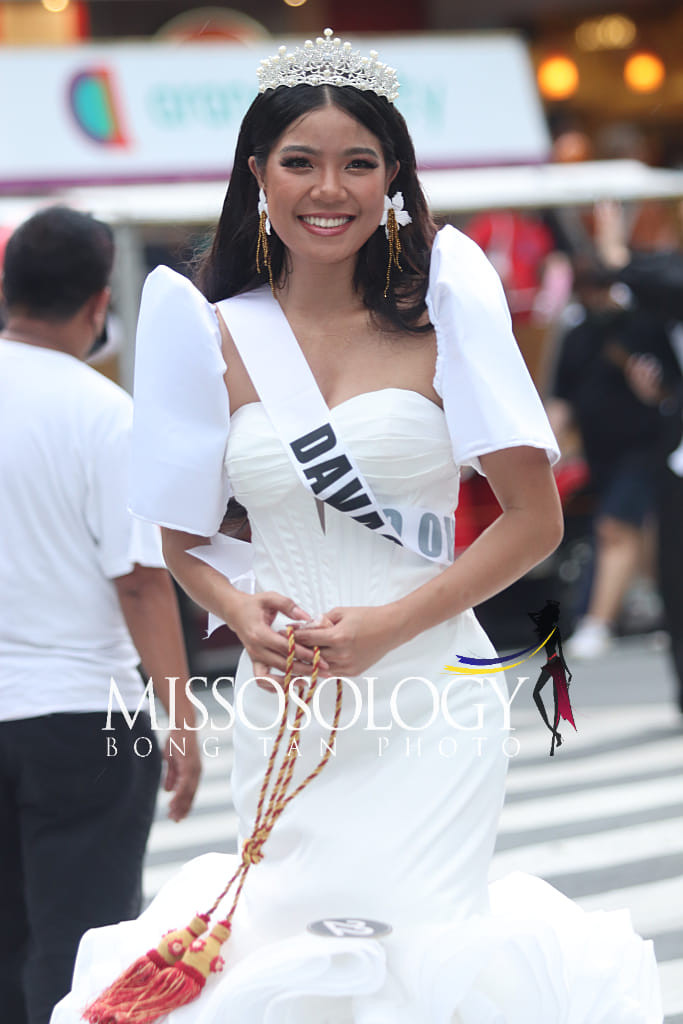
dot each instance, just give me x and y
(263, 261)
(393, 216)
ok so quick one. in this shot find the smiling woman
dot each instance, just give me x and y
(327, 176)
(343, 361)
(328, 151)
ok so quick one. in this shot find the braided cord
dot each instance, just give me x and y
(269, 809)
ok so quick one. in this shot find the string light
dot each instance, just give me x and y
(644, 72)
(295, 3)
(613, 32)
(558, 77)
(55, 6)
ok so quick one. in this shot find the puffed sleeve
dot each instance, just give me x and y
(489, 399)
(120, 540)
(181, 410)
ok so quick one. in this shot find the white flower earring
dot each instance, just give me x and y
(394, 205)
(263, 209)
(262, 246)
(393, 216)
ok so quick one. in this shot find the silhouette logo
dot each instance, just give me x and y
(546, 625)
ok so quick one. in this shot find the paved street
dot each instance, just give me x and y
(602, 820)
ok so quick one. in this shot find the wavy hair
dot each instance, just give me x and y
(229, 266)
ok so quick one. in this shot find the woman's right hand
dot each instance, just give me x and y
(252, 617)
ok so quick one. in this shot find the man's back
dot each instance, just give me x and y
(63, 464)
(78, 577)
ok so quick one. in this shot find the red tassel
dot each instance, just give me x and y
(105, 1009)
(114, 1004)
(169, 989)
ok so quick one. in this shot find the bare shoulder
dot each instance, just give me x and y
(346, 358)
(412, 357)
(238, 382)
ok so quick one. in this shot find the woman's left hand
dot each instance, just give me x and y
(352, 639)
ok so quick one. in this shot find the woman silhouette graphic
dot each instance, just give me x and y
(546, 625)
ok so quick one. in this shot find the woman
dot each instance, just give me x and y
(406, 337)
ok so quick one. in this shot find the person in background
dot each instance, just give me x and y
(655, 278)
(616, 380)
(84, 597)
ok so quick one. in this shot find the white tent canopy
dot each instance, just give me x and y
(548, 185)
(131, 208)
(448, 192)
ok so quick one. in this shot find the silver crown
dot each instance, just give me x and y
(328, 61)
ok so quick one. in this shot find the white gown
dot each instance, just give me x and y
(401, 824)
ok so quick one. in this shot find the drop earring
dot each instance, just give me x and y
(394, 216)
(262, 245)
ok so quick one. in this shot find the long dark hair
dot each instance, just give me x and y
(229, 266)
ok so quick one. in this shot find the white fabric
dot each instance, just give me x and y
(300, 416)
(235, 559)
(676, 460)
(182, 415)
(66, 533)
(676, 336)
(403, 836)
(489, 399)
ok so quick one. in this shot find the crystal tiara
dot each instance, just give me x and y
(328, 61)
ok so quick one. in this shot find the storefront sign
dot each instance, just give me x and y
(162, 112)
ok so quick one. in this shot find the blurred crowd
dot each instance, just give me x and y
(596, 298)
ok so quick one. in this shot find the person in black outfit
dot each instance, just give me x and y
(655, 282)
(619, 376)
(655, 279)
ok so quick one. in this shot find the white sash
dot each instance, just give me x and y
(300, 416)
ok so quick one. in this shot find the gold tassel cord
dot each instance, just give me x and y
(394, 247)
(263, 261)
(175, 973)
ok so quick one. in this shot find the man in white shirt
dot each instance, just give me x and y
(84, 597)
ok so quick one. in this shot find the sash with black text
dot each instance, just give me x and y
(300, 416)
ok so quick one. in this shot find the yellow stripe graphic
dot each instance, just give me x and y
(465, 670)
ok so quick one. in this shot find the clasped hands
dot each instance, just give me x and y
(351, 639)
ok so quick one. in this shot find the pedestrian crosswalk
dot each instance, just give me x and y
(602, 821)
